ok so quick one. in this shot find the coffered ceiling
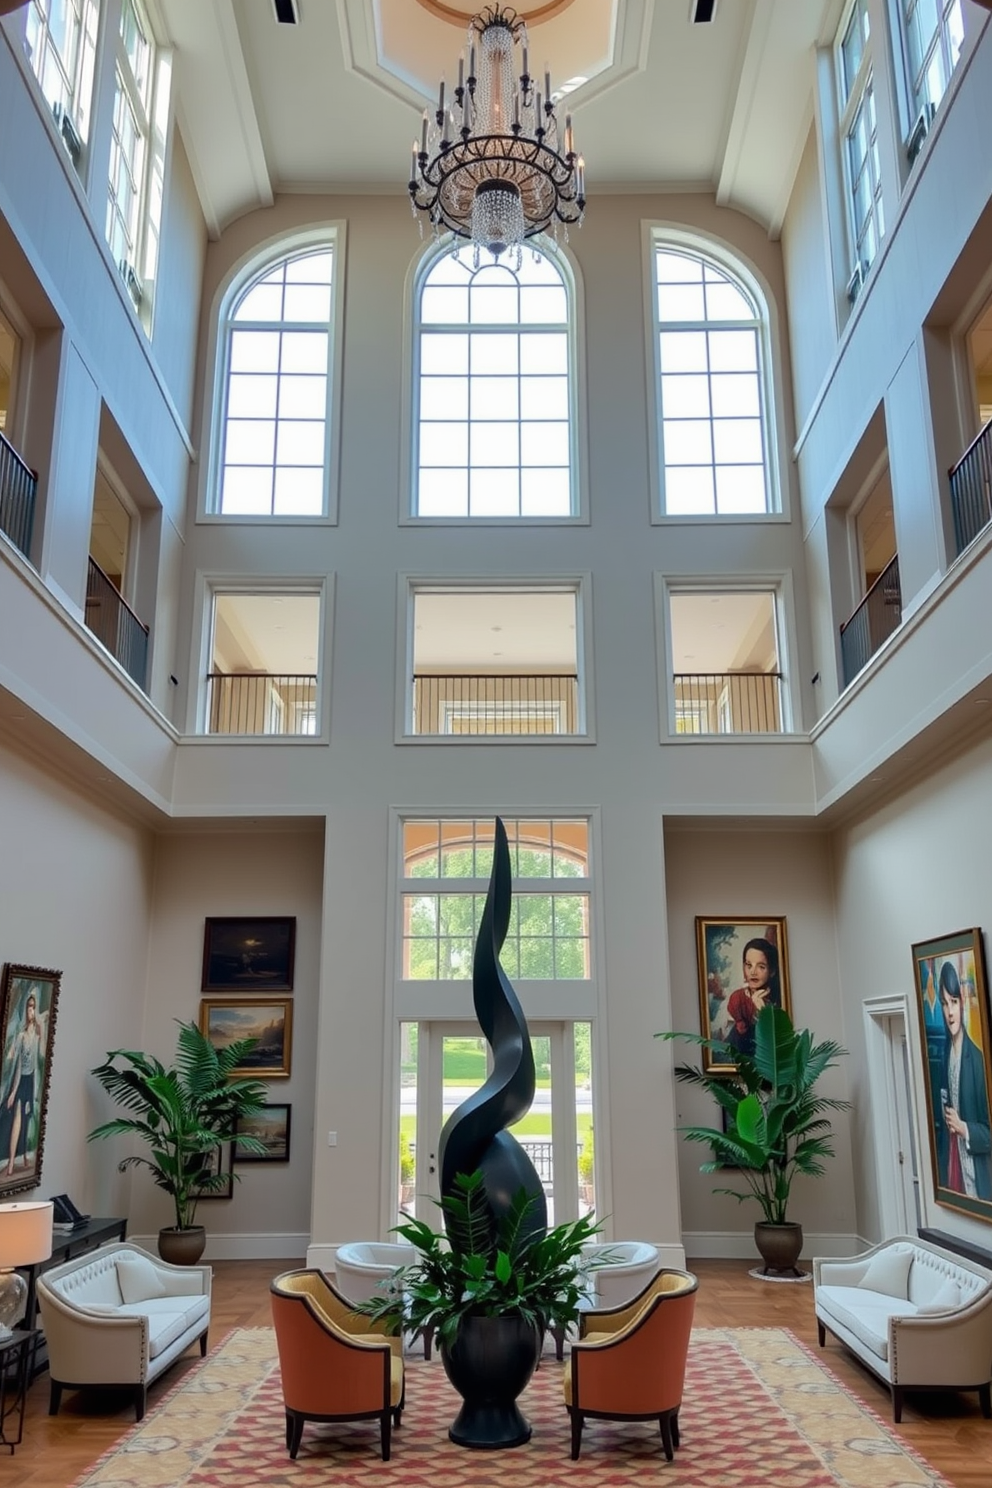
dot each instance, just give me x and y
(332, 103)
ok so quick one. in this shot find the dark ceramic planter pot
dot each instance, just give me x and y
(490, 1364)
(779, 1245)
(182, 1247)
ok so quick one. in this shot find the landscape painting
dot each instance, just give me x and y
(270, 1022)
(253, 954)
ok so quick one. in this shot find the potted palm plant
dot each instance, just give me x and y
(184, 1114)
(488, 1289)
(775, 1122)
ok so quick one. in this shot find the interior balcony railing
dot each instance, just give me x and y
(971, 489)
(261, 703)
(115, 625)
(495, 704)
(877, 617)
(728, 702)
(18, 489)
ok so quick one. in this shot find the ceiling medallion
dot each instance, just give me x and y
(459, 14)
(492, 166)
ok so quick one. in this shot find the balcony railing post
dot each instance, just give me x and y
(115, 625)
(493, 704)
(971, 490)
(18, 492)
(877, 617)
(728, 702)
(261, 703)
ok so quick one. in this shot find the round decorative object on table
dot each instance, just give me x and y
(490, 1363)
(182, 1247)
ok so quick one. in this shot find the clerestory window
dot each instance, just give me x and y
(933, 33)
(859, 136)
(60, 38)
(711, 339)
(274, 430)
(494, 415)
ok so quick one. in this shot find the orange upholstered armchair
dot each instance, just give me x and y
(336, 1366)
(629, 1362)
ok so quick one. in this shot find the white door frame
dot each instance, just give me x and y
(884, 1099)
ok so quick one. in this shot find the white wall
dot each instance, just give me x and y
(238, 872)
(720, 873)
(75, 897)
(915, 869)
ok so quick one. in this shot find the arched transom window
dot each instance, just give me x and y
(277, 342)
(494, 416)
(711, 389)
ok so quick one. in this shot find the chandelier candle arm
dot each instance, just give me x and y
(504, 177)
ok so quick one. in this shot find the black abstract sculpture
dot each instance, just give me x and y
(474, 1136)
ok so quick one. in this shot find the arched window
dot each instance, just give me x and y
(272, 453)
(494, 414)
(711, 333)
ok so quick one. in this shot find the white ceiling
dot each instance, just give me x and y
(334, 102)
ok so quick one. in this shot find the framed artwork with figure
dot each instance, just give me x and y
(28, 1004)
(743, 964)
(249, 954)
(952, 1002)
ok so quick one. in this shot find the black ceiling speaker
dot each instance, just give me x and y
(287, 12)
(703, 11)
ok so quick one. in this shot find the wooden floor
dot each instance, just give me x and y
(948, 1430)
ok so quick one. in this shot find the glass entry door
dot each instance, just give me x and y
(443, 1063)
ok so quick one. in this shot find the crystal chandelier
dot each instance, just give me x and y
(492, 167)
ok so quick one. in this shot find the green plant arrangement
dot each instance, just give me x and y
(408, 1163)
(776, 1123)
(479, 1269)
(587, 1160)
(183, 1113)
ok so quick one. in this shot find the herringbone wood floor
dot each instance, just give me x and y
(947, 1429)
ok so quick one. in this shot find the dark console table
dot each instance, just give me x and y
(65, 1245)
(965, 1248)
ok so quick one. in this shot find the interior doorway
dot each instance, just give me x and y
(893, 1117)
(442, 1063)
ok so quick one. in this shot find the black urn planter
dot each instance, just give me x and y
(490, 1364)
(779, 1245)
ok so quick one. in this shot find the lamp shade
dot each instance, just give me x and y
(25, 1233)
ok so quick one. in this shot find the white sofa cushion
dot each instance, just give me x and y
(864, 1313)
(947, 1296)
(138, 1277)
(168, 1318)
(888, 1272)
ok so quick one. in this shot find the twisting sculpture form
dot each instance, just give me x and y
(474, 1136)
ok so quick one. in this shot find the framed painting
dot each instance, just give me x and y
(271, 1022)
(952, 1002)
(221, 1161)
(271, 1127)
(742, 964)
(249, 955)
(29, 1000)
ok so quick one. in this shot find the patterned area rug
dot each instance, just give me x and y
(759, 1409)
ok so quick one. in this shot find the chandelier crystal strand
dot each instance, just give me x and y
(493, 165)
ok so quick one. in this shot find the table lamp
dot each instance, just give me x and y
(25, 1239)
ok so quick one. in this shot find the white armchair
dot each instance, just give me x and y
(614, 1273)
(362, 1266)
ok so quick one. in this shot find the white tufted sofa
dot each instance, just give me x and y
(918, 1316)
(119, 1316)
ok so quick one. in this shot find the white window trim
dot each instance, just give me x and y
(545, 1001)
(656, 233)
(208, 585)
(578, 583)
(330, 233)
(409, 405)
(780, 584)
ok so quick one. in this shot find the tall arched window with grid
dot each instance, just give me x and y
(272, 458)
(494, 390)
(711, 333)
